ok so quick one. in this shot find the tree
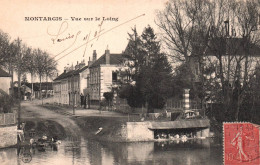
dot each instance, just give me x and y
(40, 58)
(50, 69)
(184, 27)
(200, 30)
(130, 89)
(156, 75)
(30, 66)
(4, 48)
(152, 72)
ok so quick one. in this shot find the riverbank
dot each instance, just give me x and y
(38, 128)
(102, 128)
(108, 124)
(93, 124)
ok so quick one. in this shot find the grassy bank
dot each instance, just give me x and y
(111, 128)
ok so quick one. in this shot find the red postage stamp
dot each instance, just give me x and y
(241, 144)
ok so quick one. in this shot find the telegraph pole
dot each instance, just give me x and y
(19, 83)
(73, 92)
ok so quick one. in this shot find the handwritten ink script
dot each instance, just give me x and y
(62, 35)
(58, 37)
(241, 144)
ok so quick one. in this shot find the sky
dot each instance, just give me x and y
(68, 39)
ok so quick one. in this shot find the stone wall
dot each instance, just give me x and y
(203, 133)
(139, 131)
(8, 136)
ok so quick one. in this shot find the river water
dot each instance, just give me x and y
(81, 151)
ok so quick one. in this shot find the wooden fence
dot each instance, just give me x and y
(8, 119)
(171, 105)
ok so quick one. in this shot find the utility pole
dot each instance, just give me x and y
(19, 83)
(73, 92)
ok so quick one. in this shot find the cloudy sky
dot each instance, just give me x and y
(64, 38)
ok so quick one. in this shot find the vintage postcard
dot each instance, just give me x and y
(129, 82)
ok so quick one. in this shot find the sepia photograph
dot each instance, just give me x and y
(129, 82)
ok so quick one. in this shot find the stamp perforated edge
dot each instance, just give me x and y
(223, 132)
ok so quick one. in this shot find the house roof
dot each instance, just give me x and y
(232, 46)
(4, 73)
(194, 123)
(115, 59)
(70, 73)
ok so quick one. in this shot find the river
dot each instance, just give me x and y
(81, 151)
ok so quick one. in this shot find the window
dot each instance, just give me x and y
(114, 76)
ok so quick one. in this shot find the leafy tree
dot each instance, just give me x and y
(30, 66)
(40, 58)
(156, 76)
(4, 48)
(152, 72)
(131, 88)
(50, 68)
(222, 36)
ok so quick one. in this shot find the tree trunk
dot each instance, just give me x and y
(12, 81)
(41, 88)
(46, 87)
(19, 98)
(237, 109)
(32, 94)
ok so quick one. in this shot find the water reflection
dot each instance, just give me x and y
(77, 150)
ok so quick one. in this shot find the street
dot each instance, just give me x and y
(33, 112)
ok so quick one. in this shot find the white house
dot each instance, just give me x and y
(5, 82)
(103, 74)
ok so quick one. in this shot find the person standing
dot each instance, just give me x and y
(81, 100)
(85, 102)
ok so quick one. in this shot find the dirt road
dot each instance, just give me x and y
(33, 112)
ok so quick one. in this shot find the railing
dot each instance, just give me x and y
(7, 119)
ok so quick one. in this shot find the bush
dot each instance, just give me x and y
(109, 97)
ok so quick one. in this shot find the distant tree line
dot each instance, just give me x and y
(16, 56)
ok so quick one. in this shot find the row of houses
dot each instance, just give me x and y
(86, 84)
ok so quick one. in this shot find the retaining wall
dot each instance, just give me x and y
(139, 131)
(8, 136)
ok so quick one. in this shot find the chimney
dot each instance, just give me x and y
(77, 66)
(107, 54)
(65, 69)
(89, 62)
(82, 64)
(94, 55)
